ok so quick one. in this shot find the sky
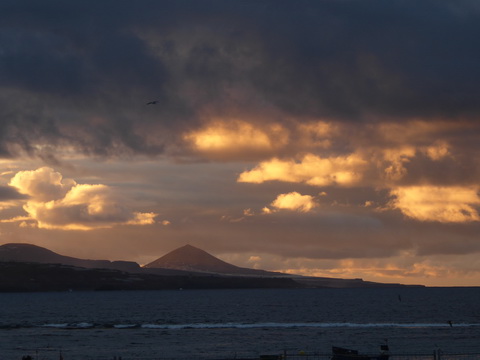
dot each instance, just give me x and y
(335, 138)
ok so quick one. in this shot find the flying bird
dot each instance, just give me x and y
(152, 102)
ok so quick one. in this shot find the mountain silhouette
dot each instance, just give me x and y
(20, 252)
(185, 267)
(190, 258)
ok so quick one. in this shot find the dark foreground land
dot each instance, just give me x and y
(19, 277)
(30, 277)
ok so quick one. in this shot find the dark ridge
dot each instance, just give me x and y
(35, 254)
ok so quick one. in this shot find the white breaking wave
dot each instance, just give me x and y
(55, 325)
(125, 326)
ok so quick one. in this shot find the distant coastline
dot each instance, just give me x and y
(29, 268)
(35, 277)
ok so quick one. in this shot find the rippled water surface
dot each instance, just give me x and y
(213, 324)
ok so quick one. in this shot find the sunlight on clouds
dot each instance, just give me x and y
(318, 129)
(95, 197)
(294, 201)
(248, 212)
(16, 219)
(224, 138)
(438, 271)
(43, 184)
(231, 139)
(410, 270)
(396, 158)
(4, 205)
(438, 150)
(317, 134)
(255, 262)
(266, 210)
(432, 203)
(145, 219)
(6, 173)
(405, 266)
(415, 130)
(312, 169)
(57, 203)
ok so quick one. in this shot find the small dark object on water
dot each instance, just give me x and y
(349, 354)
(270, 357)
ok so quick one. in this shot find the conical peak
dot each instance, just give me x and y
(189, 247)
(191, 258)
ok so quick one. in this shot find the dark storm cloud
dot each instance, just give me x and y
(81, 73)
(68, 49)
(393, 58)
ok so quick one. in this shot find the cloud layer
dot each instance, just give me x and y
(352, 125)
(57, 203)
(444, 204)
(80, 66)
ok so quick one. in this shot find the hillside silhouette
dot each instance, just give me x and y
(19, 252)
(190, 258)
(27, 267)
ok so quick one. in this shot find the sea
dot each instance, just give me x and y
(237, 324)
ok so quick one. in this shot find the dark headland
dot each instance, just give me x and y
(26, 267)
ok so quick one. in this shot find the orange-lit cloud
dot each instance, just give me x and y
(312, 170)
(405, 268)
(396, 158)
(16, 219)
(393, 161)
(233, 139)
(374, 270)
(266, 210)
(237, 138)
(316, 134)
(416, 130)
(42, 184)
(294, 201)
(438, 150)
(254, 262)
(248, 212)
(57, 203)
(454, 204)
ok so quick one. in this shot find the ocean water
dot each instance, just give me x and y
(228, 324)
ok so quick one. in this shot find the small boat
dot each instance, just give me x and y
(339, 353)
(270, 357)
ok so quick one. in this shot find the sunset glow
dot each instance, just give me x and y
(320, 138)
